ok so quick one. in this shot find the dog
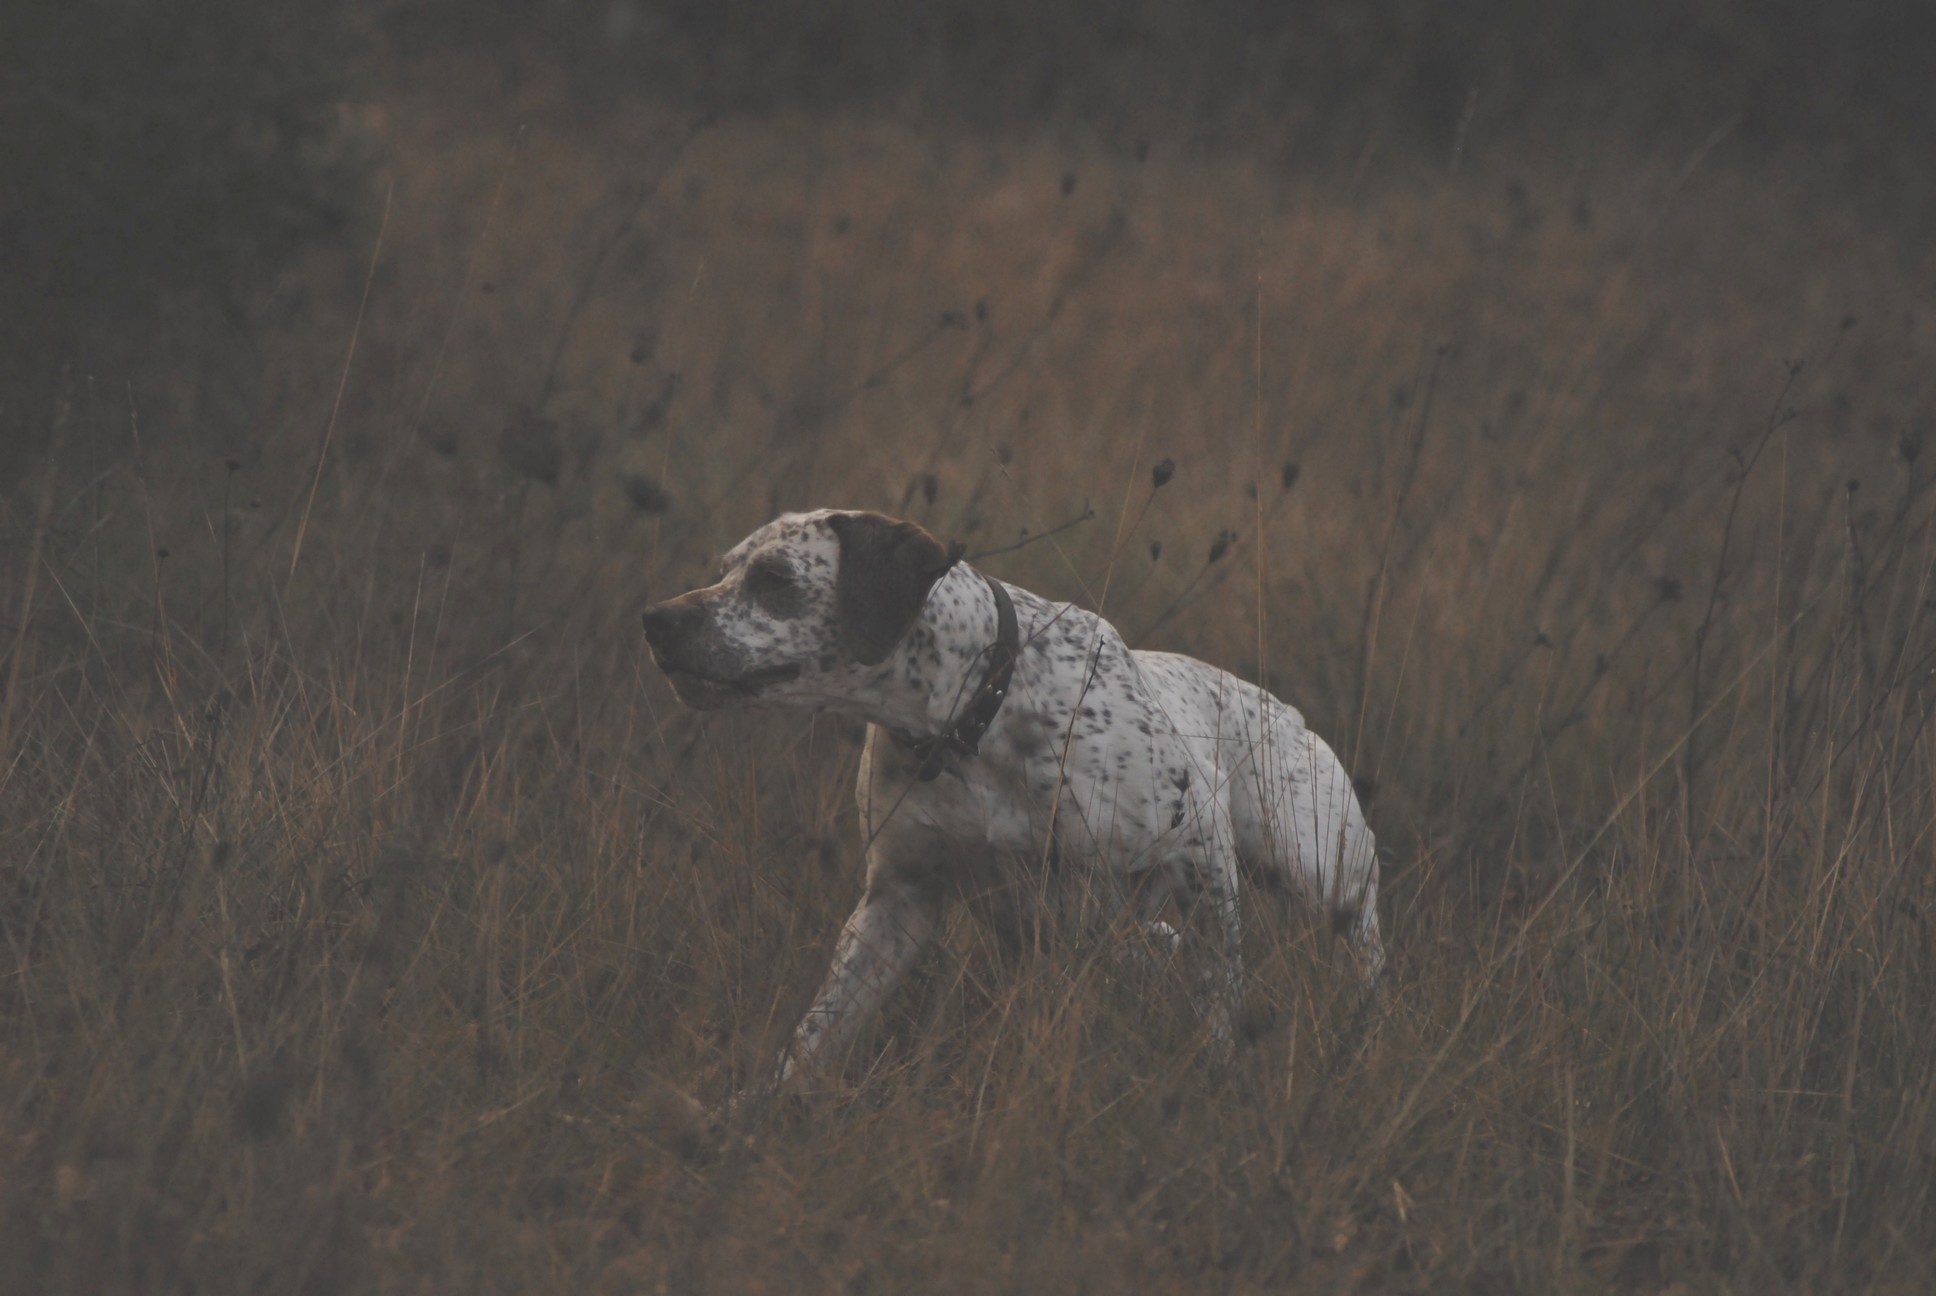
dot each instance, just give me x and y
(1005, 731)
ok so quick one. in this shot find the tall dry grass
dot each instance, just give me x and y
(364, 894)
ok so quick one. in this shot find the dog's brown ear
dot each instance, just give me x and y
(886, 570)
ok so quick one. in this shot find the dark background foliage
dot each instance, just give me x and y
(1545, 389)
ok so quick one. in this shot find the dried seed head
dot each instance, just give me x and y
(645, 494)
(1161, 473)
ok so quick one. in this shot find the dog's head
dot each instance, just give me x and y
(806, 598)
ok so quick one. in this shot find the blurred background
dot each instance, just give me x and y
(568, 296)
(1547, 386)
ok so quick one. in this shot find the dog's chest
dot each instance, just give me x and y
(1036, 776)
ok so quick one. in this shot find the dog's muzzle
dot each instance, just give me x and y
(704, 676)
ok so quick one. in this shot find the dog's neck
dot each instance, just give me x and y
(971, 717)
(934, 673)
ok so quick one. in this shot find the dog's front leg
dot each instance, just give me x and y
(880, 942)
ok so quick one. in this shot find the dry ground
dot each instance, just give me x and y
(364, 888)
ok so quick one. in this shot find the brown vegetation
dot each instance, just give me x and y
(369, 903)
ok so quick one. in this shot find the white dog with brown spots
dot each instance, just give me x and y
(1003, 731)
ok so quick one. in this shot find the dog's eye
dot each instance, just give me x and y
(769, 577)
(773, 584)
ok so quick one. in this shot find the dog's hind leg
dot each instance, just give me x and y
(1367, 948)
(1209, 878)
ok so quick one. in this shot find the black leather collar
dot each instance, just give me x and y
(963, 737)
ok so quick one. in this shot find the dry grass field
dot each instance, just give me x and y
(367, 900)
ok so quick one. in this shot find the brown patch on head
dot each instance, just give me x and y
(770, 582)
(886, 570)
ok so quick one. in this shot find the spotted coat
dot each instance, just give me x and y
(1162, 778)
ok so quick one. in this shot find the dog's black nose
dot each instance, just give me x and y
(666, 622)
